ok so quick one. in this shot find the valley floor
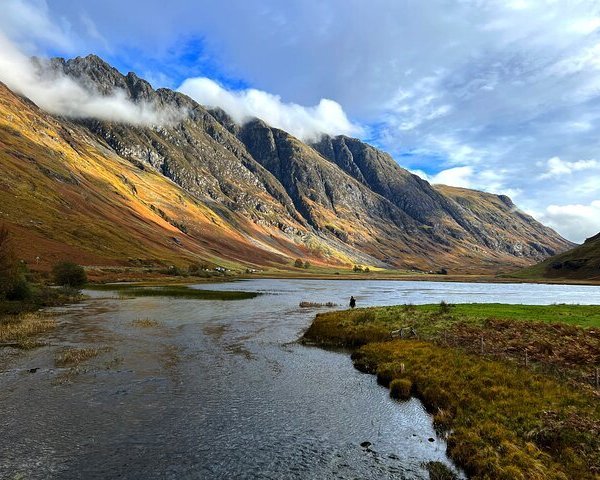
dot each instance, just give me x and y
(514, 387)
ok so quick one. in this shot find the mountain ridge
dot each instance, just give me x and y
(336, 200)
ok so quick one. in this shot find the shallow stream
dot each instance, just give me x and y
(221, 389)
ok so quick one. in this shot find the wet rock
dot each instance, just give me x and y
(33, 370)
(366, 444)
(431, 439)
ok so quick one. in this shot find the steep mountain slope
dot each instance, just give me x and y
(336, 201)
(582, 262)
(495, 221)
(63, 194)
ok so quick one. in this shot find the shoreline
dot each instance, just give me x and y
(154, 279)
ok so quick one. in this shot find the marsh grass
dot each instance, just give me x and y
(503, 419)
(71, 357)
(20, 330)
(316, 304)
(439, 471)
(496, 415)
(401, 388)
(173, 291)
(145, 323)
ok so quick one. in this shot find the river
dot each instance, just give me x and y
(222, 390)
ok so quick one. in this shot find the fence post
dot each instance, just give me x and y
(526, 358)
(597, 378)
(481, 338)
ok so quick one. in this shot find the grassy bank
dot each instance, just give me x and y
(21, 322)
(512, 387)
(173, 291)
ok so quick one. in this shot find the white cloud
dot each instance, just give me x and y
(29, 23)
(61, 95)
(303, 122)
(557, 167)
(456, 177)
(576, 222)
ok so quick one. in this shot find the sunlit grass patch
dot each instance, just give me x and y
(20, 330)
(70, 357)
(145, 323)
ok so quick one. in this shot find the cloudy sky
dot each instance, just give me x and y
(501, 95)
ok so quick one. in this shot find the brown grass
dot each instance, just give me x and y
(19, 330)
(74, 356)
(145, 323)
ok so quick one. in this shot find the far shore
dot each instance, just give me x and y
(111, 274)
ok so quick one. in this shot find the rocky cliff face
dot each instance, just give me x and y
(338, 200)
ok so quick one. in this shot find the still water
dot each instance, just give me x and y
(222, 389)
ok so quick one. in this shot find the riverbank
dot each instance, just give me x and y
(21, 321)
(513, 387)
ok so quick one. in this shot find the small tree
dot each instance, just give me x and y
(307, 264)
(366, 270)
(357, 268)
(69, 274)
(298, 263)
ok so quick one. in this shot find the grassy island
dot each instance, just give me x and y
(514, 388)
(172, 291)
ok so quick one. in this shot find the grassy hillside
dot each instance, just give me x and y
(580, 263)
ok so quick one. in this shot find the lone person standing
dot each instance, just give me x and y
(352, 302)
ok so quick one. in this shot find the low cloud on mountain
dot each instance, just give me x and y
(61, 95)
(303, 122)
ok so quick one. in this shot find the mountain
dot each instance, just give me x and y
(581, 262)
(201, 187)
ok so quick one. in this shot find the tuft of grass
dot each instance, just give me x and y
(400, 388)
(145, 323)
(174, 291)
(71, 357)
(439, 471)
(19, 330)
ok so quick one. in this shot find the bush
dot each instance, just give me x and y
(69, 274)
(400, 388)
(298, 263)
(20, 290)
(445, 307)
(307, 264)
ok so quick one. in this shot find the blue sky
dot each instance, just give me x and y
(502, 96)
